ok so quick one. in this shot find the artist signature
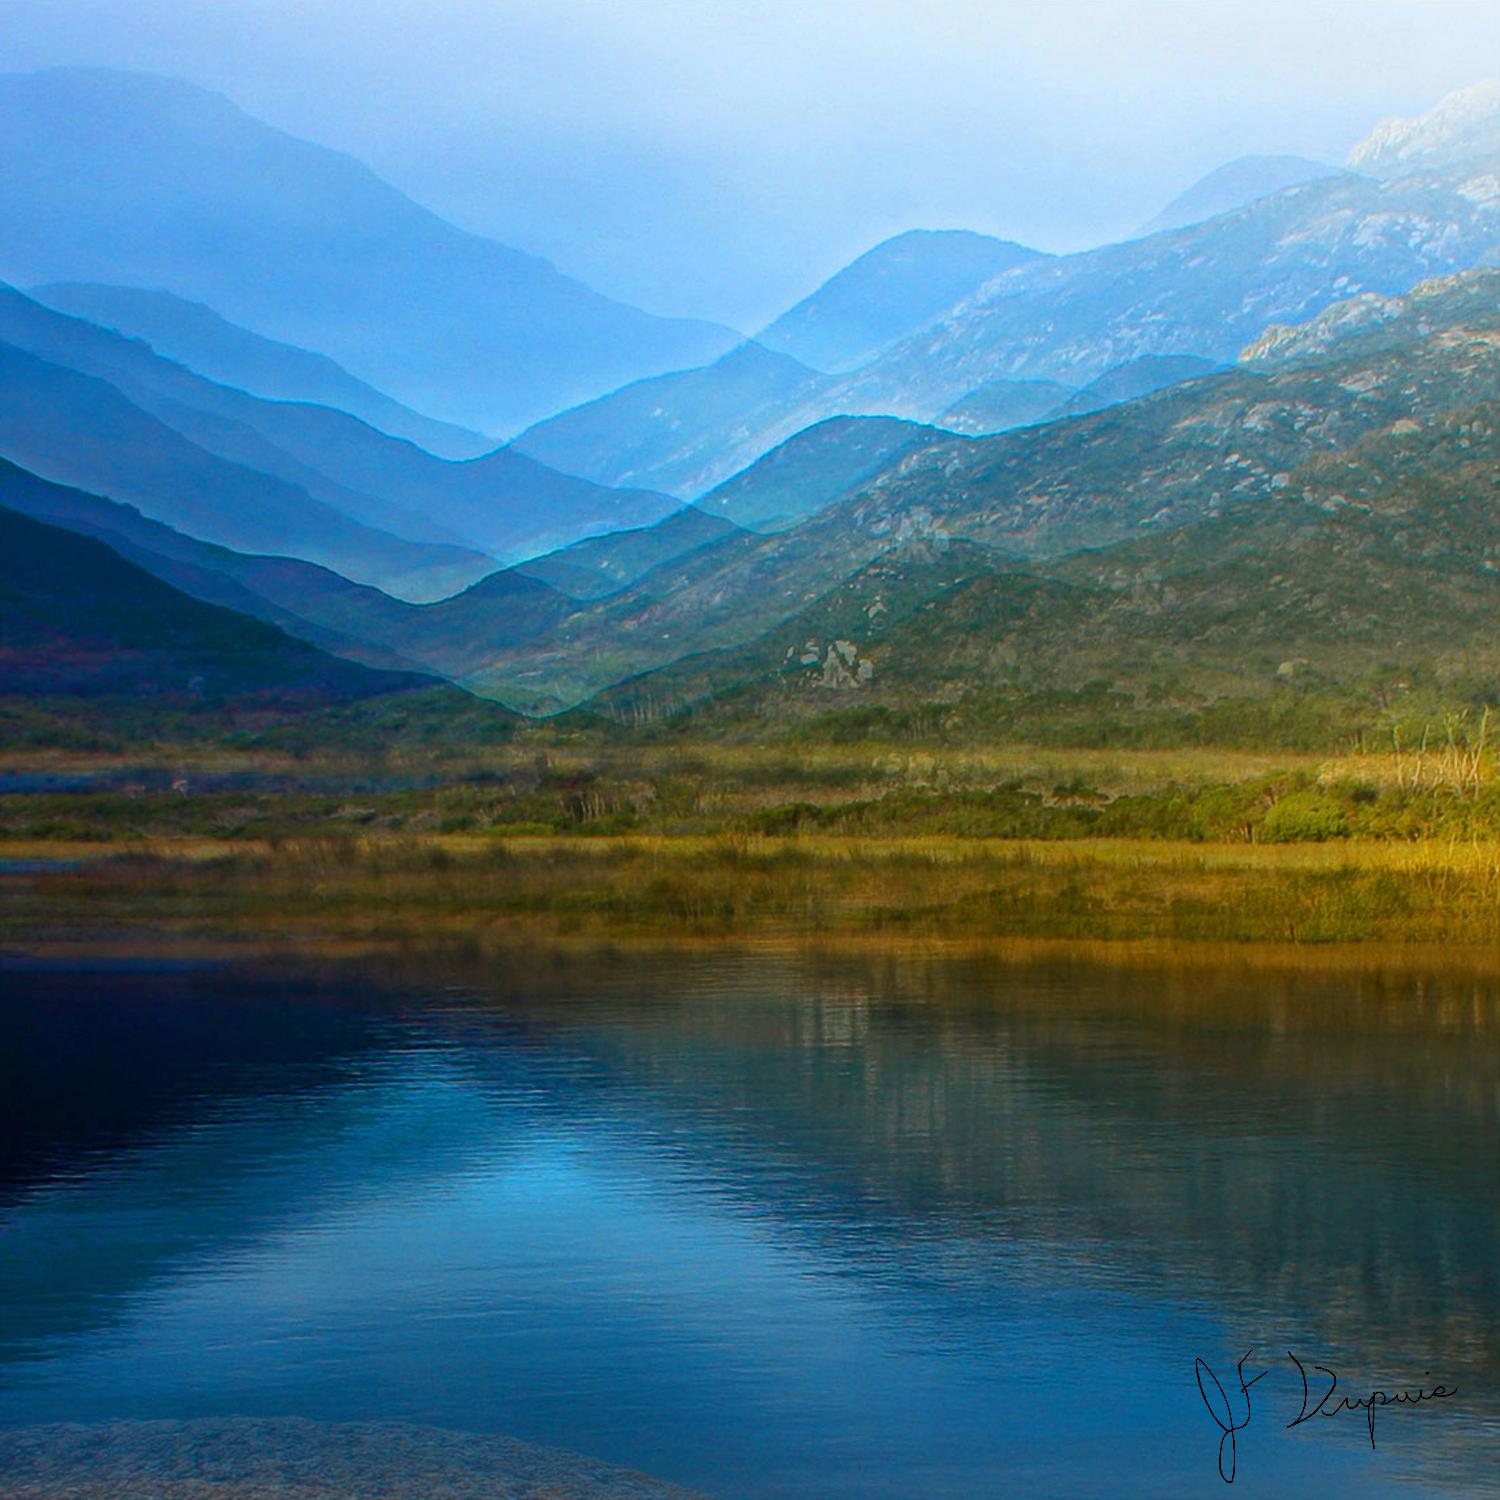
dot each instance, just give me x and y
(1231, 1412)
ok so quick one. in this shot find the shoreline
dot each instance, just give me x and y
(1113, 896)
(292, 1458)
(148, 949)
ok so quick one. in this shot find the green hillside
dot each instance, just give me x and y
(92, 645)
(799, 477)
(1370, 583)
(1138, 470)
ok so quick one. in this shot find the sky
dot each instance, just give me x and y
(720, 158)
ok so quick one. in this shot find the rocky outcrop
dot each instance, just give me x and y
(1465, 123)
(835, 665)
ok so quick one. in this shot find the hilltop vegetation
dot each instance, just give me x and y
(1372, 577)
(1281, 477)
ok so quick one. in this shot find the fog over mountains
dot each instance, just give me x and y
(887, 292)
(147, 182)
(196, 336)
(1459, 128)
(274, 385)
(1234, 185)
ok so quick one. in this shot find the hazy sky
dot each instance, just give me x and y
(720, 157)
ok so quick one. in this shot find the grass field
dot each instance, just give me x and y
(826, 843)
(804, 888)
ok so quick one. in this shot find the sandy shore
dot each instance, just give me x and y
(292, 1459)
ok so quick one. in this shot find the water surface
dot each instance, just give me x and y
(767, 1226)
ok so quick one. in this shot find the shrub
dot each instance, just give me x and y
(1305, 818)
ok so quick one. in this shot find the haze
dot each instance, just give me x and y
(719, 158)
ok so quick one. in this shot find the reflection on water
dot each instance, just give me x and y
(765, 1226)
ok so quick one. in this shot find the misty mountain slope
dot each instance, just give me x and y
(303, 599)
(1002, 405)
(713, 603)
(196, 336)
(1313, 585)
(1137, 377)
(681, 433)
(307, 601)
(1206, 290)
(126, 178)
(81, 431)
(251, 584)
(1428, 489)
(812, 469)
(1371, 325)
(504, 503)
(602, 565)
(504, 612)
(449, 637)
(77, 618)
(240, 442)
(690, 432)
(1315, 592)
(1203, 291)
(1383, 560)
(999, 405)
(1143, 468)
(1234, 185)
(1459, 127)
(509, 503)
(722, 594)
(889, 292)
(225, 422)
(1194, 448)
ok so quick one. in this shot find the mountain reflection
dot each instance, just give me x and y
(1295, 1158)
(1316, 1154)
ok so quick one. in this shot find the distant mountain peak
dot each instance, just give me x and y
(916, 241)
(1462, 124)
(889, 292)
(193, 334)
(681, 433)
(137, 180)
(1235, 184)
(752, 355)
(142, 83)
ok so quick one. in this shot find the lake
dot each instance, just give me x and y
(768, 1225)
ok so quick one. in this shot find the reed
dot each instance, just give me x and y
(1398, 843)
(805, 887)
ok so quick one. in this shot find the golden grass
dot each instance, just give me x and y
(825, 889)
(700, 885)
(1122, 769)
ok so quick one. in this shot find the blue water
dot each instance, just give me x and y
(767, 1227)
